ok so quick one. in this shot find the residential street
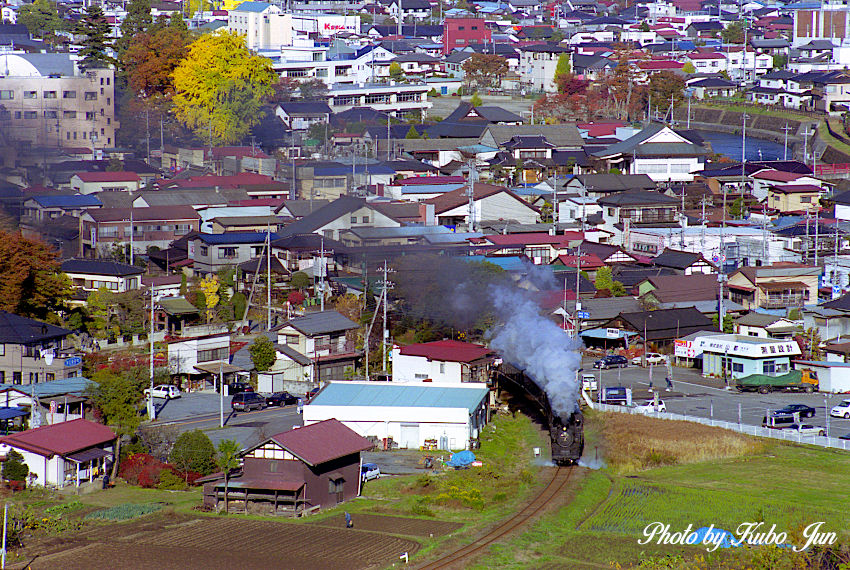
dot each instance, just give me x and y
(706, 397)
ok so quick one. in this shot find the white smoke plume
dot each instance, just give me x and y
(534, 343)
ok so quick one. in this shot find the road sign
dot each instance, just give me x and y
(73, 361)
(582, 315)
(52, 406)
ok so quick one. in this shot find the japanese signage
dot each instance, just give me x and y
(684, 349)
(755, 348)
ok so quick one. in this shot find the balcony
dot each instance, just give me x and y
(334, 349)
(783, 301)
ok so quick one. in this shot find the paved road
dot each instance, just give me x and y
(706, 397)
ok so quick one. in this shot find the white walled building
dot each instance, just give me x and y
(185, 354)
(409, 414)
(442, 361)
(537, 64)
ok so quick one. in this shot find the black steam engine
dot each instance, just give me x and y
(566, 431)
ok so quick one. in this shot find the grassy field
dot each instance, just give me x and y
(786, 484)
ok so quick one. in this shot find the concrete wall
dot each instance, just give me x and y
(407, 368)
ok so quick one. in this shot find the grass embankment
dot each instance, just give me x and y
(735, 479)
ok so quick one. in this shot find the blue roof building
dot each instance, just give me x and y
(405, 415)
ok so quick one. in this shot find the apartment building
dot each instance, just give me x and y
(47, 101)
(158, 226)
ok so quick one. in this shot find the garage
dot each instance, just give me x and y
(405, 416)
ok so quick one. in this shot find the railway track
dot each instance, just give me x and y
(465, 555)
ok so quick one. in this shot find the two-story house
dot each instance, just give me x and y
(344, 213)
(92, 274)
(199, 357)
(211, 252)
(94, 182)
(442, 361)
(788, 198)
(537, 65)
(103, 228)
(33, 352)
(315, 349)
(620, 212)
(778, 286)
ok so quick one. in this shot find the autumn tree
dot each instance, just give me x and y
(32, 284)
(41, 19)
(221, 87)
(666, 87)
(620, 86)
(209, 287)
(485, 70)
(396, 72)
(689, 68)
(313, 89)
(117, 396)
(150, 60)
(95, 27)
(285, 89)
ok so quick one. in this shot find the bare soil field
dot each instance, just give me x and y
(393, 525)
(179, 542)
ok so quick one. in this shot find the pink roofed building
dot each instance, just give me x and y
(442, 361)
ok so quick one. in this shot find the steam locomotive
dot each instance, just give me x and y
(566, 431)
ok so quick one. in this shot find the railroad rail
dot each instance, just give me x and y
(466, 554)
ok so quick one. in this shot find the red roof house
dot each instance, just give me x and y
(64, 453)
(450, 361)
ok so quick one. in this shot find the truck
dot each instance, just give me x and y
(797, 380)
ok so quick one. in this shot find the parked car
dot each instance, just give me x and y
(779, 421)
(166, 391)
(649, 406)
(802, 409)
(611, 361)
(281, 399)
(842, 410)
(588, 382)
(845, 436)
(652, 358)
(247, 401)
(239, 387)
(806, 429)
(616, 395)
(369, 471)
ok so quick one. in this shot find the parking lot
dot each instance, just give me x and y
(707, 397)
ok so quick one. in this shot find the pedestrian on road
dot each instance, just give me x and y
(348, 523)
(669, 383)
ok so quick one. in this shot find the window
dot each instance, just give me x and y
(90, 96)
(6, 94)
(365, 219)
(227, 252)
(2, 349)
(30, 114)
(353, 219)
(336, 485)
(460, 28)
(737, 367)
(420, 376)
(769, 367)
(2, 376)
(90, 115)
(69, 115)
(213, 354)
(49, 377)
(49, 95)
(69, 94)
(805, 199)
(51, 115)
(442, 368)
(292, 340)
(16, 378)
(321, 72)
(204, 250)
(30, 94)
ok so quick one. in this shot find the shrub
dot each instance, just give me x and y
(193, 451)
(14, 468)
(170, 481)
(420, 507)
(295, 298)
(142, 470)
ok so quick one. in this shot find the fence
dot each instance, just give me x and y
(827, 169)
(786, 435)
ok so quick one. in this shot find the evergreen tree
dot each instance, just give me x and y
(137, 20)
(41, 19)
(95, 28)
(412, 133)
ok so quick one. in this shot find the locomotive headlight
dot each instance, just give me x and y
(565, 437)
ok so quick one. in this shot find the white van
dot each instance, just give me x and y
(588, 383)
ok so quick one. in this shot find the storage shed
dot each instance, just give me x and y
(405, 415)
(833, 377)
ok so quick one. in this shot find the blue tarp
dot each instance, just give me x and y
(461, 459)
(716, 535)
(12, 412)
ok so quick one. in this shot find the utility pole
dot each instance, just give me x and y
(220, 394)
(151, 407)
(806, 260)
(322, 274)
(470, 192)
(387, 285)
(817, 230)
(268, 277)
(785, 143)
(131, 234)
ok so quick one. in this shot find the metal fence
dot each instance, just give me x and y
(786, 435)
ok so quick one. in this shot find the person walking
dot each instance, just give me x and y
(669, 383)
(348, 523)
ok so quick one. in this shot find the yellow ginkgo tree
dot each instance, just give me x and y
(209, 287)
(221, 87)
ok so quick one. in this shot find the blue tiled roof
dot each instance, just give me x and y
(508, 263)
(252, 6)
(400, 395)
(68, 201)
(431, 188)
(77, 385)
(235, 237)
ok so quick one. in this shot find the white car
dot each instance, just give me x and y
(370, 471)
(588, 383)
(166, 391)
(652, 358)
(649, 406)
(842, 410)
(806, 429)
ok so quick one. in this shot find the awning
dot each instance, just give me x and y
(335, 476)
(10, 413)
(256, 483)
(213, 368)
(741, 288)
(88, 454)
(782, 285)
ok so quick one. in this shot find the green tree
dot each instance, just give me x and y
(95, 27)
(193, 451)
(780, 60)
(644, 26)
(313, 89)
(263, 353)
(115, 165)
(563, 67)
(239, 302)
(412, 133)
(137, 21)
(228, 460)
(396, 72)
(738, 208)
(117, 396)
(618, 289)
(299, 280)
(604, 280)
(41, 19)
(689, 68)
(475, 100)
(184, 285)
(733, 33)
(14, 468)
(221, 87)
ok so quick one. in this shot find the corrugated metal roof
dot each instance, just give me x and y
(400, 395)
